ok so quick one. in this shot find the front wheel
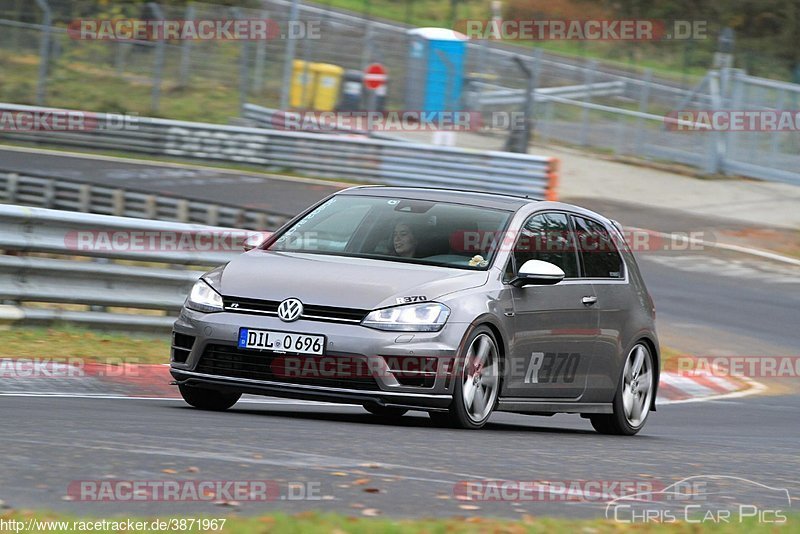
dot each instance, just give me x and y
(634, 395)
(477, 385)
(208, 399)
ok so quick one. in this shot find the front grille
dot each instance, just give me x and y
(311, 312)
(228, 361)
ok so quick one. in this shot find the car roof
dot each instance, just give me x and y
(474, 198)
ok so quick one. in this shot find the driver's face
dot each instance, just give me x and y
(405, 244)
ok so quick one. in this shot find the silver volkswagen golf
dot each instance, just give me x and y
(451, 302)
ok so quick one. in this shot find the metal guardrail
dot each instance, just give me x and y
(489, 94)
(69, 259)
(275, 119)
(61, 194)
(323, 155)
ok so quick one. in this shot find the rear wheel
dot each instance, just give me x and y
(477, 383)
(385, 411)
(208, 399)
(634, 395)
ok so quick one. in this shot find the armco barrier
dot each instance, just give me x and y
(363, 160)
(81, 271)
(61, 194)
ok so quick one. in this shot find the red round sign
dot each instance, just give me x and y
(374, 76)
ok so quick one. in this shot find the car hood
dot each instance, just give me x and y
(338, 281)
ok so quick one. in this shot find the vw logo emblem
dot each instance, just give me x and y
(290, 310)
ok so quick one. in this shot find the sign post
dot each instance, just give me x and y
(374, 78)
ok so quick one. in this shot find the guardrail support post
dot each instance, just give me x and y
(212, 215)
(150, 207)
(12, 187)
(183, 210)
(85, 198)
(118, 202)
(48, 194)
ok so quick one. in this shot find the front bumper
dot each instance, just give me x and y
(220, 331)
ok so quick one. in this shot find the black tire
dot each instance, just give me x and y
(458, 416)
(208, 399)
(604, 424)
(385, 411)
(441, 419)
(618, 423)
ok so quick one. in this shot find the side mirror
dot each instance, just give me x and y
(253, 240)
(537, 272)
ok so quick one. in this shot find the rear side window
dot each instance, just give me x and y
(547, 237)
(597, 250)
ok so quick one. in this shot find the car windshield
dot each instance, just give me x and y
(398, 229)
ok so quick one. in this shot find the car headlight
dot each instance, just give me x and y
(203, 298)
(428, 317)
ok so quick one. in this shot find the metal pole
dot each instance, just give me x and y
(366, 51)
(775, 135)
(158, 65)
(521, 141)
(717, 144)
(288, 64)
(186, 50)
(44, 52)
(588, 80)
(261, 55)
(644, 97)
(244, 67)
(307, 78)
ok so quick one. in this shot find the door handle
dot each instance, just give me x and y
(588, 301)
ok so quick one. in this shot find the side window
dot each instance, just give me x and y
(547, 237)
(597, 250)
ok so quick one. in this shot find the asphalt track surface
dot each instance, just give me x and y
(208, 184)
(48, 443)
(707, 303)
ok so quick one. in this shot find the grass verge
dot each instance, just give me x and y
(74, 342)
(68, 342)
(313, 523)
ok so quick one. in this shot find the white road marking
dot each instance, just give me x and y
(724, 246)
(761, 271)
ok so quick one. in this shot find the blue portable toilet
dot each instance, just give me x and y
(435, 69)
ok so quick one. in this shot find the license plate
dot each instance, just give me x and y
(281, 341)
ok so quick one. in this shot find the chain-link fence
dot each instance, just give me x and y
(576, 101)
